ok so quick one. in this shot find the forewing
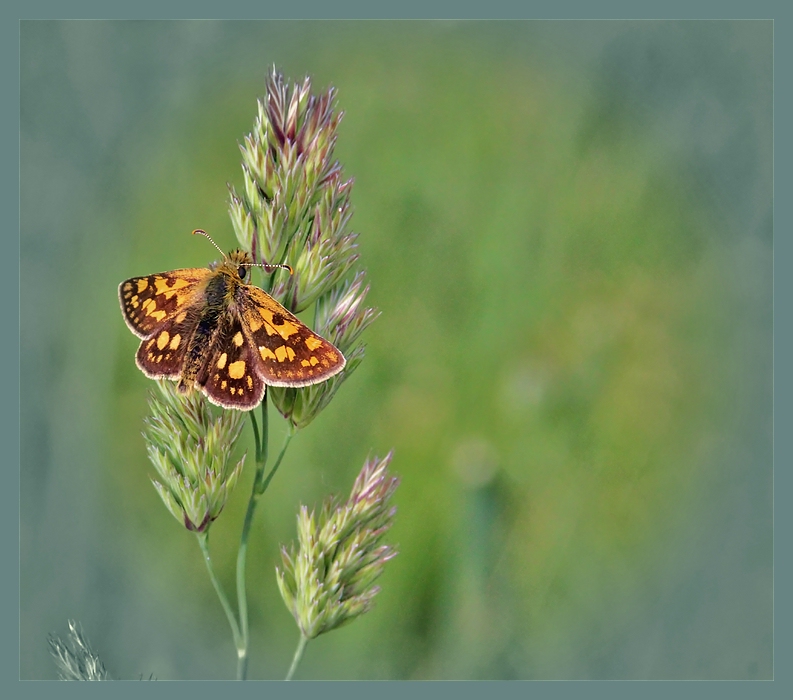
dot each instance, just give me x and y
(229, 378)
(286, 351)
(150, 303)
(163, 354)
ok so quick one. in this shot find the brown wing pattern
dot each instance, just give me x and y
(162, 355)
(286, 351)
(229, 377)
(148, 302)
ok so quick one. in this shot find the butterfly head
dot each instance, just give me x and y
(238, 262)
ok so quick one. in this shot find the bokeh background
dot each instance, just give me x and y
(568, 230)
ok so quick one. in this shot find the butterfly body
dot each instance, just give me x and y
(212, 326)
(208, 328)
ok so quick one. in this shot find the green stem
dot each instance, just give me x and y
(301, 647)
(203, 542)
(260, 485)
(242, 595)
(287, 439)
(256, 440)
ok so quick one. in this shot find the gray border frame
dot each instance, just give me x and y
(783, 334)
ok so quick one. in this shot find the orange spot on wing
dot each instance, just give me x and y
(237, 369)
(286, 329)
(169, 285)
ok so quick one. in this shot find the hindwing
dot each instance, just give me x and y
(163, 354)
(230, 377)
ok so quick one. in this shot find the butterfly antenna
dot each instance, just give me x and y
(204, 233)
(269, 267)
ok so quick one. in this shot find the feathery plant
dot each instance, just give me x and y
(75, 659)
(293, 209)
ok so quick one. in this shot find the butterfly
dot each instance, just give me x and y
(209, 329)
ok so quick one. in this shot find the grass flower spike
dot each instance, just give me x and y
(191, 449)
(294, 206)
(328, 580)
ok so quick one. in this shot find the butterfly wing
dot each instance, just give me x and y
(150, 303)
(285, 350)
(163, 354)
(229, 378)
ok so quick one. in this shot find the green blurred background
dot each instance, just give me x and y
(568, 230)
